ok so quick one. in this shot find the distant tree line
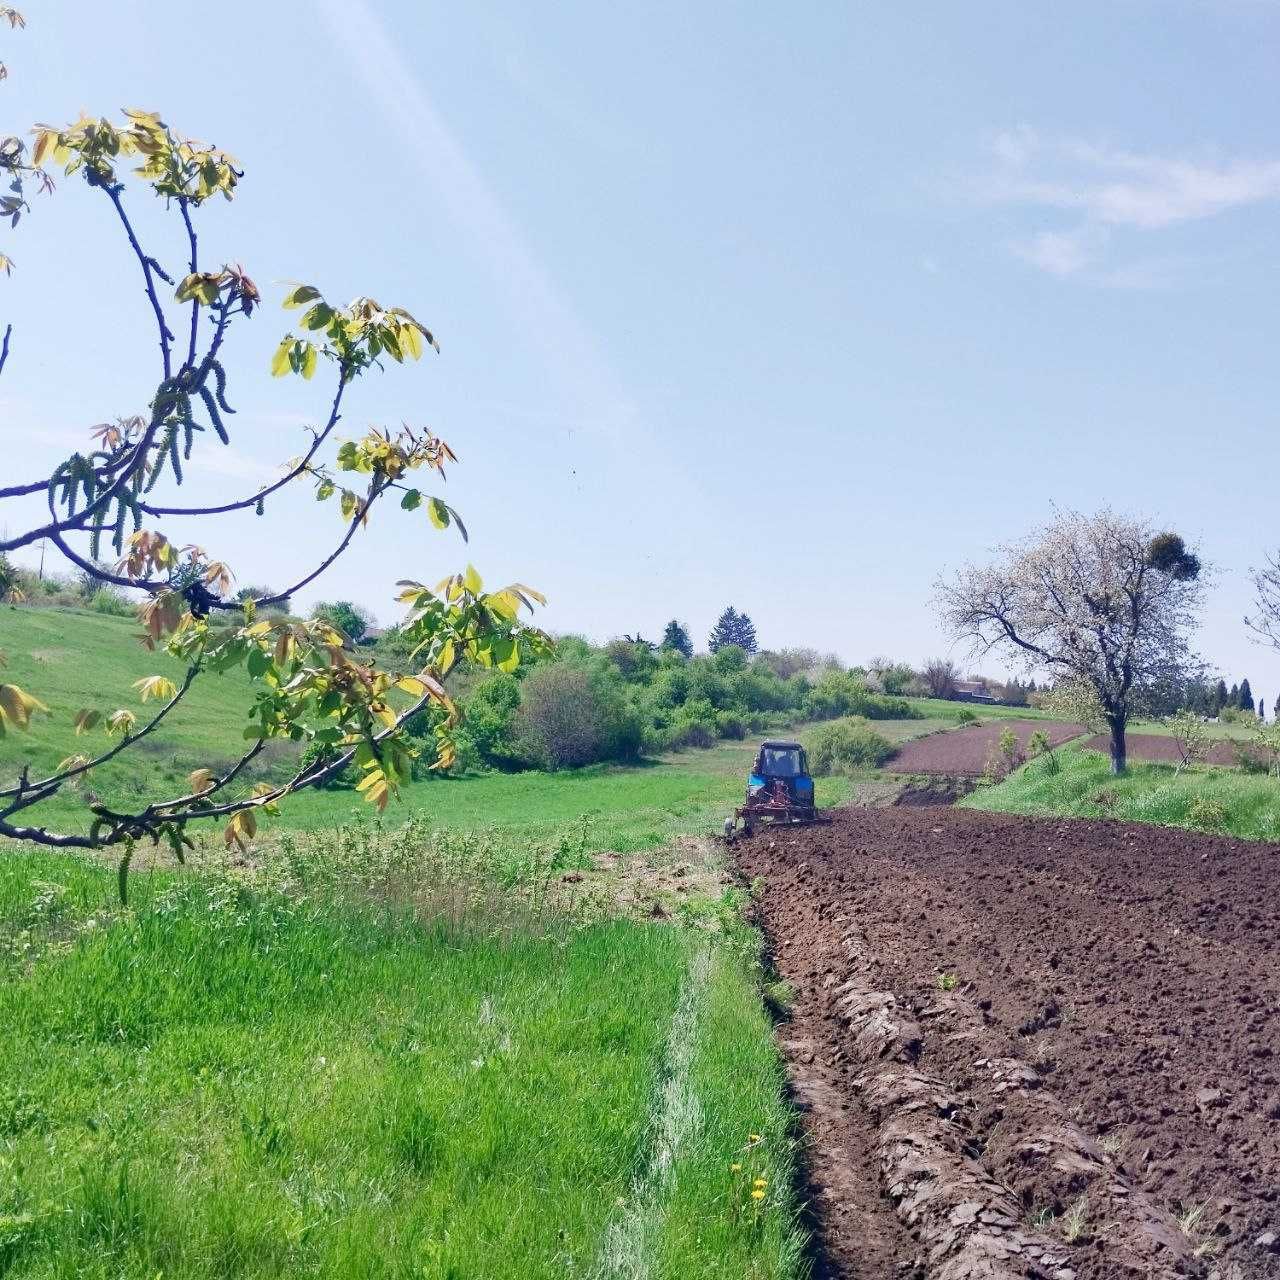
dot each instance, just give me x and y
(587, 703)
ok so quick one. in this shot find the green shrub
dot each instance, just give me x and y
(692, 733)
(839, 693)
(489, 720)
(846, 745)
(966, 716)
(574, 715)
(1247, 759)
(731, 726)
(1039, 746)
(1006, 757)
(351, 619)
(320, 753)
(1207, 813)
(110, 601)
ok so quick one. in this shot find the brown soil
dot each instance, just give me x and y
(965, 752)
(937, 790)
(1155, 746)
(1032, 1048)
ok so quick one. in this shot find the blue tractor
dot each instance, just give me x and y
(779, 790)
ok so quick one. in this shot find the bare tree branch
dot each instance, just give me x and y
(1265, 620)
(150, 269)
(252, 501)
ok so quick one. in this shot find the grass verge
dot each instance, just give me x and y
(1225, 800)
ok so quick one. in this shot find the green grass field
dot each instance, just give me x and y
(1224, 800)
(402, 1047)
(295, 1074)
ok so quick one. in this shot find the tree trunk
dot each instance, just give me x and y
(1118, 751)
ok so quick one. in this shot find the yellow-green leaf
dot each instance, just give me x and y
(410, 340)
(86, 720)
(17, 705)
(159, 687)
(280, 362)
(300, 296)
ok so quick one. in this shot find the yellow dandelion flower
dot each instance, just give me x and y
(760, 1182)
(757, 1194)
(735, 1168)
(753, 1137)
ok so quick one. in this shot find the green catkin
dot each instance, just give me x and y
(71, 488)
(166, 446)
(95, 540)
(212, 410)
(174, 454)
(117, 537)
(220, 386)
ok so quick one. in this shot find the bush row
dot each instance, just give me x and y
(618, 701)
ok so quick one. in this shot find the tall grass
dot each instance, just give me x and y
(1223, 800)
(368, 1056)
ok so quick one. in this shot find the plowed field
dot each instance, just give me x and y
(1158, 746)
(1031, 1048)
(965, 752)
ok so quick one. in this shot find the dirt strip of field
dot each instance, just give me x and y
(1158, 746)
(965, 752)
(1056, 1043)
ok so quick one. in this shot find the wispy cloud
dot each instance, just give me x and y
(1112, 191)
(1062, 253)
(527, 287)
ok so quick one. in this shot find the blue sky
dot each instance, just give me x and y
(786, 306)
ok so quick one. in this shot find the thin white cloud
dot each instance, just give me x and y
(1062, 253)
(571, 353)
(1112, 190)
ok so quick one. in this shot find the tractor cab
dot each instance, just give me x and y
(779, 788)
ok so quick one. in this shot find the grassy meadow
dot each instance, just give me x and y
(368, 1055)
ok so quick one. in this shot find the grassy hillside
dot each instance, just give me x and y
(71, 658)
(1224, 800)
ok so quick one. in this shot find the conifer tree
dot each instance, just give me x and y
(733, 627)
(676, 638)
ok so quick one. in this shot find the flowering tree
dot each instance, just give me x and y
(117, 493)
(1265, 619)
(1104, 603)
